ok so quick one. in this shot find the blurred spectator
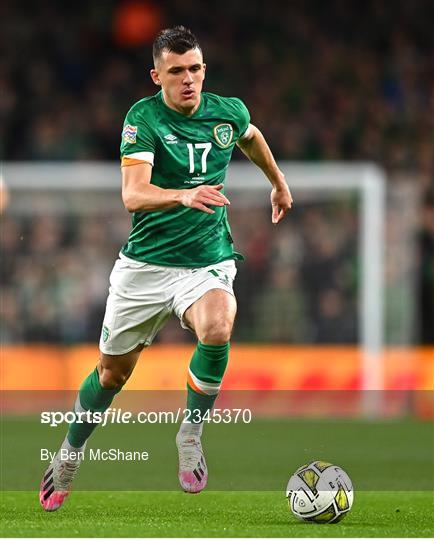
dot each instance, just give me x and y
(335, 321)
(280, 309)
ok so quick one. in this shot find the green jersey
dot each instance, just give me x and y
(185, 152)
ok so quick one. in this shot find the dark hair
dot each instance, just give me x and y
(177, 39)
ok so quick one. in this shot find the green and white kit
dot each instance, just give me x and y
(143, 296)
(173, 257)
(185, 152)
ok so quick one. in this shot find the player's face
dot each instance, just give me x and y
(181, 78)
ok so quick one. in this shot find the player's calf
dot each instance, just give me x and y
(203, 384)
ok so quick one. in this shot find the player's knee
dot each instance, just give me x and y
(113, 380)
(216, 334)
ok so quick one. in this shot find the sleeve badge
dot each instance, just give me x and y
(129, 134)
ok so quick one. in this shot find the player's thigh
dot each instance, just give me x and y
(136, 307)
(212, 316)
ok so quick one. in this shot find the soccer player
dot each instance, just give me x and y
(179, 257)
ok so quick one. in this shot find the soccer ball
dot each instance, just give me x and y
(320, 492)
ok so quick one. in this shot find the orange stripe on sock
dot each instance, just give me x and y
(193, 385)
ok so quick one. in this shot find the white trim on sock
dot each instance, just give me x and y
(188, 429)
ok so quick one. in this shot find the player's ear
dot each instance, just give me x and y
(204, 70)
(155, 77)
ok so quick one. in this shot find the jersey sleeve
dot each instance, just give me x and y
(138, 140)
(242, 117)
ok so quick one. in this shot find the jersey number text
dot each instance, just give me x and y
(206, 147)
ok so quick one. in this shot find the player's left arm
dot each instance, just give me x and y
(255, 147)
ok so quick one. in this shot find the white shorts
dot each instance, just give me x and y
(142, 297)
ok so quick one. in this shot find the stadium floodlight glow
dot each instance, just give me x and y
(323, 180)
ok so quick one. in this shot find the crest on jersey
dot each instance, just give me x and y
(129, 134)
(105, 333)
(223, 134)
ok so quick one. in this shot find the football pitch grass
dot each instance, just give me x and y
(211, 514)
(390, 463)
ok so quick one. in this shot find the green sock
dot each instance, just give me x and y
(206, 372)
(91, 397)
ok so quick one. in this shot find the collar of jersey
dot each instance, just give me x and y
(178, 114)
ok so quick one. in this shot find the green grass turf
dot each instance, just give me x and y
(390, 463)
(212, 514)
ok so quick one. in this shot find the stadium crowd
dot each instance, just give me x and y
(321, 79)
(56, 273)
(298, 284)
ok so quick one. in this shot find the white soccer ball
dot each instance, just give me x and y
(320, 492)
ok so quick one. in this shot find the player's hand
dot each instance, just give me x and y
(281, 202)
(202, 197)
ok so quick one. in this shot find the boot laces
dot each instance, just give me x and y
(66, 473)
(190, 453)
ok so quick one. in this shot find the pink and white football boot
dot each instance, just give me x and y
(56, 483)
(193, 472)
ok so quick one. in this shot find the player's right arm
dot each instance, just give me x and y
(139, 195)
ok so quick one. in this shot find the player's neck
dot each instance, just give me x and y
(189, 111)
